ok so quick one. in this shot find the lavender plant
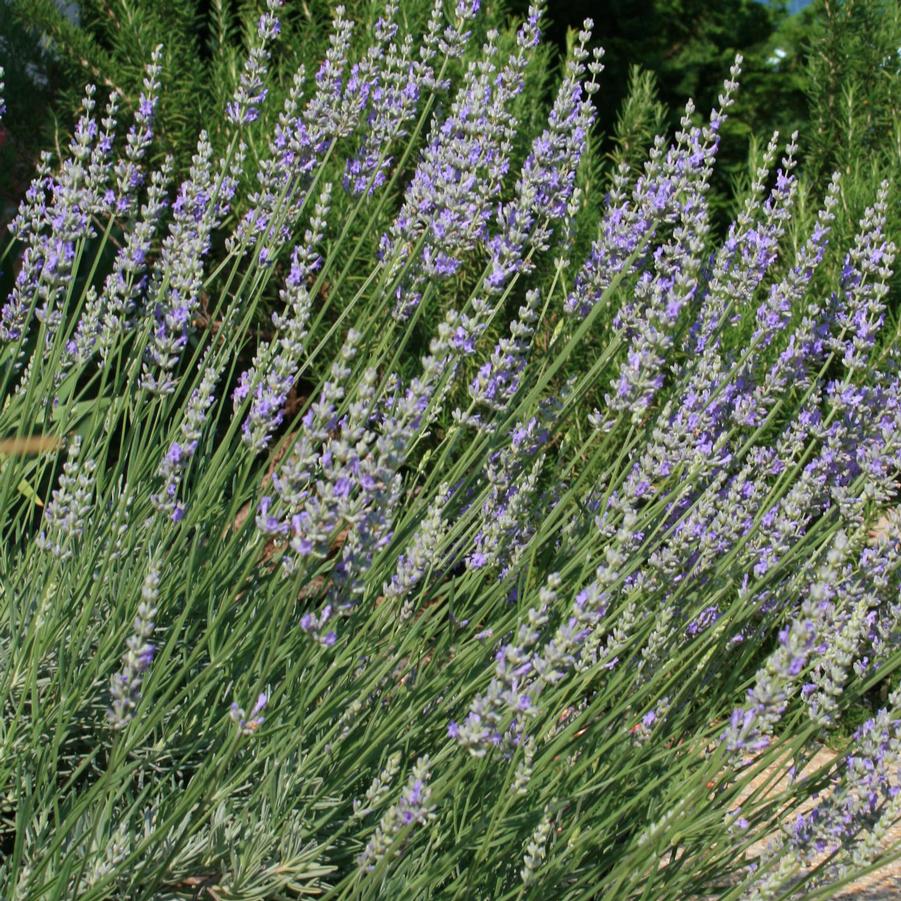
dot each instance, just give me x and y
(540, 521)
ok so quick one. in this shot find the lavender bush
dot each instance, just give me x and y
(431, 521)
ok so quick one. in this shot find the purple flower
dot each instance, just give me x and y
(176, 287)
(752, 725)
(498, 380)
(507, 519)
(864, 286)
(249, 723)
(860, 805)
(54, 216)
(276, 365)
(111, 315)
(394, 88)
(546, 185)
(128, 170)
(178, 457)
(244, 106)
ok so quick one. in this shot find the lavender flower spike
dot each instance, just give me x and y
(865, 277)
(27, 226)
(100, 197)
(378, 788)
(536, 849)
(65, 515)
(498, 380)
(413, 807)
(751, 726)
(181, 271)
(67, 216)
(510, 697)
(105, 321)
(545, 188)
(129, 176)
(125, 686)
(863, 799)
(2, 90)
(269, 381)
(461, 170)
(655, 199)
(421, 555)
(395, 94)
(251, 91)
(174, 464)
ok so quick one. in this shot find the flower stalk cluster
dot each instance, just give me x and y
(480, 454)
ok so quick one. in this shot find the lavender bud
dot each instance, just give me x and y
(177, 285)
(536, 849)
(378, 790)
(128, 170)
(178, 457)
(251, 91)
(421, 552)
(524, 769)
(69, 506)
(125, 686)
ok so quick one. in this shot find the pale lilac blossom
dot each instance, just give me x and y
(249, 723)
